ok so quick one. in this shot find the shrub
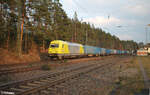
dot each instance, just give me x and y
(45, 67)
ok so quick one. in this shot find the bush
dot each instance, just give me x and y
(30, 65)
(65, 60)
(45, 67)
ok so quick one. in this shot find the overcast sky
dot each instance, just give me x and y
(131, 15)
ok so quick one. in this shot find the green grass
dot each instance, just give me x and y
(65, 60)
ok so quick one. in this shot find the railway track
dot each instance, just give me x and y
(24, 67)
(18, 70)
(41, 62)
(44, 84)
(17, 65)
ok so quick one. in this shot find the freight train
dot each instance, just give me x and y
(63, 49)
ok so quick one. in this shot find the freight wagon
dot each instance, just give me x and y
(63, 49)
(92, 51)
(103, 51)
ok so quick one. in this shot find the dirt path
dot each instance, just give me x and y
(145, 77)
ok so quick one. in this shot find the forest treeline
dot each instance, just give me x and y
(24, 23)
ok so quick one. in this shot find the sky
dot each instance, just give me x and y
(126, 19)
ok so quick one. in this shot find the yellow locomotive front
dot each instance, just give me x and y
(62, 49)
(58, 48)
(54, 49)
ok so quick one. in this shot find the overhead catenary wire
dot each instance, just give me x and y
(85, 11)
(80, 6)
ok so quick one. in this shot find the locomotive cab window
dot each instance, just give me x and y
(54, 45)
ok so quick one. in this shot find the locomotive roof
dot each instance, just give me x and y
(70, 43)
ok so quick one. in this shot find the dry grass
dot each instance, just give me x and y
(8, 57)
(146, 64)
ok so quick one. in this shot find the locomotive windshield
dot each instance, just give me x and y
(54, 45)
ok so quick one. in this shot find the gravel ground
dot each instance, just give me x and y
(98, 82)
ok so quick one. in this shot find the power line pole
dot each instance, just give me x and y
(86, 37)
(146, 35)
(75, 38)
